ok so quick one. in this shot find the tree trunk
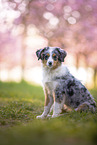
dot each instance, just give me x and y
(23, 60)
(23, 57)
(95, 77)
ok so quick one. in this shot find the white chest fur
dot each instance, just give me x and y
(49, 75)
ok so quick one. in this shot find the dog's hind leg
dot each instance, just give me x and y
(85, 107)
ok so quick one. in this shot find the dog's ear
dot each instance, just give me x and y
(62, 54)
(39, 53)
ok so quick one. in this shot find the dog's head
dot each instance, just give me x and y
(51, 56)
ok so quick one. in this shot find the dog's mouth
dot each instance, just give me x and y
(50, 65)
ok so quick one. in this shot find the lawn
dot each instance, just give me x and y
(20, 103)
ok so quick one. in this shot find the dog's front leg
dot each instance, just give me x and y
(47, 106)
(58, 105)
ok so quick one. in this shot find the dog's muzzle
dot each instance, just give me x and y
(50, 64)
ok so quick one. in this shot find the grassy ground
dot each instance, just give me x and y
(20, 103)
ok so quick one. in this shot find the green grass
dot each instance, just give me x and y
(20, 103)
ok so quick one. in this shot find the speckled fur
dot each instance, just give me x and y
(60, 86)
(75, 92)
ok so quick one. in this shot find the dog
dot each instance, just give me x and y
(60, 87)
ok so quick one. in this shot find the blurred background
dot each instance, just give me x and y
(28, 25)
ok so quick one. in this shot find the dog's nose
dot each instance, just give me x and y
(50, 63)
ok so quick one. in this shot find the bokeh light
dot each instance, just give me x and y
(26, 26)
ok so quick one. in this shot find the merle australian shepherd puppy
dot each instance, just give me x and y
(61, 88)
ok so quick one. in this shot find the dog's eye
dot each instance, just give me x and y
(55, 57)
(46, 57)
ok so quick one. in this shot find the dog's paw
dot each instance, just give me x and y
(41, 117)
(48, 116)
(57, 115)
